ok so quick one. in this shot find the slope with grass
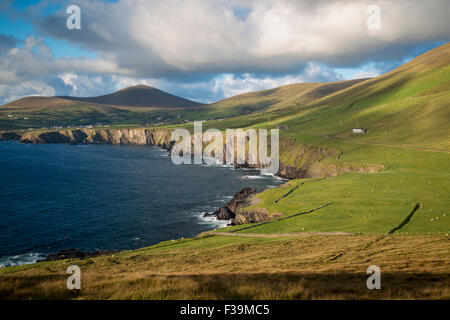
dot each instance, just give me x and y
(398, 217)
(218, 267)
(407, 114)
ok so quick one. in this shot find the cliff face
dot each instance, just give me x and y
(296, 160)
(154, 137)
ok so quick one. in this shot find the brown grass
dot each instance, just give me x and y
(215, 267)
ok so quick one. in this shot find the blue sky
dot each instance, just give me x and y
(207, 50)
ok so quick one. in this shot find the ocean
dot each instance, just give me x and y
(106, 197)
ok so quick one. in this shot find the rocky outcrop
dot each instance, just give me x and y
(154, 137)
(11, 136)
(234, 210)
(298, 161)
(289, 172)
(75, 254)
(230, 209)
(253, 216)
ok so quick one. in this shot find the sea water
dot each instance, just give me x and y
(105, 197)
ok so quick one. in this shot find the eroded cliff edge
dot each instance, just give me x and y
(296, 160)
(154, 137)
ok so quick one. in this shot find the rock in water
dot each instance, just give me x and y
(74, 254)
(229, 210)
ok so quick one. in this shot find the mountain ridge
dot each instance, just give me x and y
(133, 96)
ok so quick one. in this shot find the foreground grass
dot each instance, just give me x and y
(219, 267)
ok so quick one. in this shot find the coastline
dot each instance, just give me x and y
(33, 257)
(161, 138)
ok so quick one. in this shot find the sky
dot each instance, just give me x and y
(208, 50)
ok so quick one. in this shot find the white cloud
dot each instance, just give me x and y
(161, 38)
(207, 50)
(230, 84)
(34, 60)
(28, 88)
(84, 85)
(366, 74)
(206, 91)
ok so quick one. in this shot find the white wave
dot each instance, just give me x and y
(223, 198)
(212, 162)
(211, 220)
(21, 259)
(208, 208)
(163, 152)
(265, 172)
(252, 177)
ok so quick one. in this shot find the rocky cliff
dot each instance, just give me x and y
(296, 160)
(230, 209)
(154, 137)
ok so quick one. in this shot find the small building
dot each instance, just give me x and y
(359, 130)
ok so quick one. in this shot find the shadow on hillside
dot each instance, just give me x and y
(339, 285)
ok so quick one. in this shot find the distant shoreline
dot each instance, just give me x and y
(34, 257)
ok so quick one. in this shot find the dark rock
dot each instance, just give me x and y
(224, 213)
(289, 172)
(246, 166)
(228, 210)
(75, 254)
(13, 136)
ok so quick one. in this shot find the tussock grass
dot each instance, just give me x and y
(217, 267)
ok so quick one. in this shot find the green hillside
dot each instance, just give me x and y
(407, 115)
(396, 217)
(407, 106)
(293, 95)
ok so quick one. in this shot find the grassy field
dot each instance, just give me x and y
(407, 115)
(217, 267)
(369, 202)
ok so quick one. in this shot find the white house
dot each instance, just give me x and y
(359, 130)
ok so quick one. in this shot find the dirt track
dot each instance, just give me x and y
(275, 235)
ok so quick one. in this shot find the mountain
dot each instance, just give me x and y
(138, 96)
(135, 96)
(289, 95)
(133, 105)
